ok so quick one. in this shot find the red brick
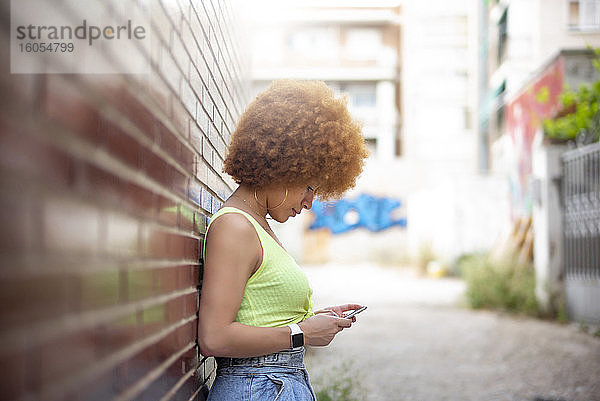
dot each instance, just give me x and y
(157, 244)
(177, 181)
(154, 166)
(37, 298)
(104, 387)
(105, 186)
(19, 88)
(17, 233)
(187, 332)
(113, 336)
(135, 368)
(187, 276)
(167, 211)
(186, 218)
(191, 249)
(66, 105)
(138, 200)
(190, 304)
(195, 192)
(119, 144)
(136, 112)
(165, 279)
(167, 141)
(176, 309)
(28, 156)
(65, 356)
(201, 222)
(188, 159)
(100, 289)
(13, 378)
(176, 246)
(142, 284)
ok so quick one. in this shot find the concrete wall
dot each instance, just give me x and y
(547, 224)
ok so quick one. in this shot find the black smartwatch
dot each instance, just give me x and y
(296, 336)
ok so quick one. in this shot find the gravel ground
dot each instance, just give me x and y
(415, 343)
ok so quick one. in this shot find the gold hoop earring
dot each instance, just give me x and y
(270, 208)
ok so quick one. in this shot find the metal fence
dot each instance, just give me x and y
(581, 232)
(581, 192)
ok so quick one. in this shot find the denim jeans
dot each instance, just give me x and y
(281, 376)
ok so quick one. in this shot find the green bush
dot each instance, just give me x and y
(499, 285)
(339, 384)
(582, 117)
(336, 392)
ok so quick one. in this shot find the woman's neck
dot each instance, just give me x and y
(248, 197)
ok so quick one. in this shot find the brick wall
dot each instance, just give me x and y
(106, 184)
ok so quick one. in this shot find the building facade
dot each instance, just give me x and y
(518, 38)
(531, 51)
(408, 69)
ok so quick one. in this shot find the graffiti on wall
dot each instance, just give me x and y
(540, 99)
(366, 211)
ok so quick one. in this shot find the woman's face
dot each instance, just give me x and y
(299, 197)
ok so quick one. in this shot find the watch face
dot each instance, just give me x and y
(297, 340)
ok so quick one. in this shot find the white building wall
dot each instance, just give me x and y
(547, 223)
(386, 119)
(537, 30)
(447, 201)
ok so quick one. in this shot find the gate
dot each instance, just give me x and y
(581, 234)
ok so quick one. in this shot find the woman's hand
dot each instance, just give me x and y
(339, 310)
(320, 329)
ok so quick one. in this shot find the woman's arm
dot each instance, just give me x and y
(233, 252)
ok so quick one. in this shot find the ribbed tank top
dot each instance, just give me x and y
(278, 293)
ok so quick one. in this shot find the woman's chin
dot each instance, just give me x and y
(280, 219)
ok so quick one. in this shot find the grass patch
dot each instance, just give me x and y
(338, 384)
(499, 285)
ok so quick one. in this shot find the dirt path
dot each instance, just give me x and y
(413, 343)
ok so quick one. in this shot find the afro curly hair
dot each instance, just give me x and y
(297, 132)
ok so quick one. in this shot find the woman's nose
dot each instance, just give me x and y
(307, 202)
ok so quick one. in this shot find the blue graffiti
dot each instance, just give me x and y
(373, 214)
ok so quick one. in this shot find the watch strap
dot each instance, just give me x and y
(296, 336)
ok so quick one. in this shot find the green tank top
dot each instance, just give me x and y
(278, 293)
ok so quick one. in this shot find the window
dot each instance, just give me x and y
(363, 43)
(361, 96)
(584, 15)
(371, 145)
(502, 35)
(316, 43)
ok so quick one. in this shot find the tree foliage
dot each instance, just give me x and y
(581, 112)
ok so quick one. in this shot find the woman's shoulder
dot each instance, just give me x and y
(233, 222)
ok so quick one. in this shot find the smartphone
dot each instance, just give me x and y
(354, 312)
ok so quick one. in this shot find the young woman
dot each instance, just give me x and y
(293, 141)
